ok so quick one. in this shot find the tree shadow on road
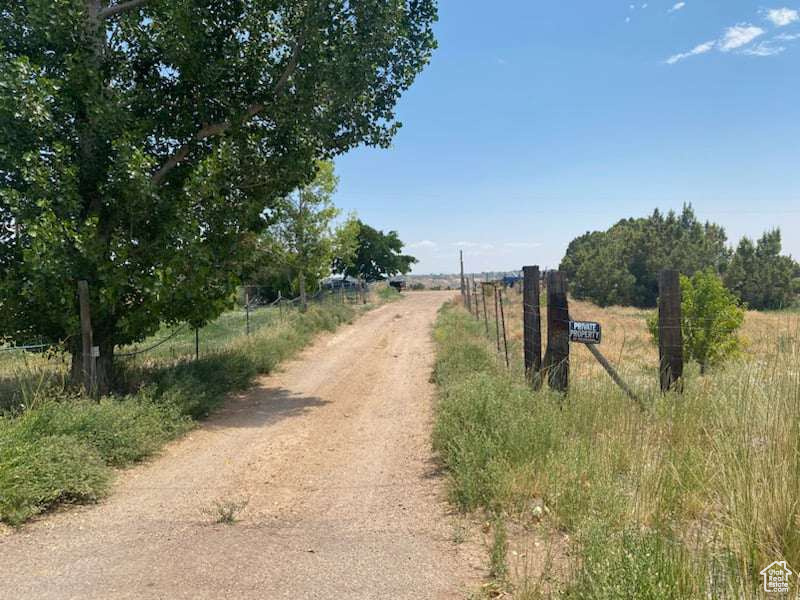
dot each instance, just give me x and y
(263, 406)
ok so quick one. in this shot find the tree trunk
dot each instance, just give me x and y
(104, 368)
(76, 367)
(303, 299)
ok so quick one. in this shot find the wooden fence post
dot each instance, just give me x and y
(670, 336)
(475, 297)
(88, 361)
(532, 326)
(496, 316)
(247, 309)
(556, 359)
(503, 322)
(612, 372)
(485, 312)
(463, 287)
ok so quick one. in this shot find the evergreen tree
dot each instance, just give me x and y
(760, 276)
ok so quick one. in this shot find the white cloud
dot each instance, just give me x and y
(522, 244)
(677, 6)
(699, 49)
(424, 244)
(738, 36)
(788, 37)
(481, 245)
(764, 49)
(781, 17)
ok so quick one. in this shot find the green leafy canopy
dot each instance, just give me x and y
(145, 143)
(377, 255)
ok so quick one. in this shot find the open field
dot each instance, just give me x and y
(689, 498)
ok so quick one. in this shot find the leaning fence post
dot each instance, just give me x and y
(556, 359)
(670, 336)
(532, 326)
(503, 322)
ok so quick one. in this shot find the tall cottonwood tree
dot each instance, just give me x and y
(144, 142)
(303, 234)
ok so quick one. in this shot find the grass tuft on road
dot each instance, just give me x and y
(63, 449)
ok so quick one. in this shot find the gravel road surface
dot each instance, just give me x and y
(332, 457)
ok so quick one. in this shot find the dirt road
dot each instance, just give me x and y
(333, 458)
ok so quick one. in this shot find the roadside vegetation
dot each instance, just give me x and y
(58, 447)
(592, 497)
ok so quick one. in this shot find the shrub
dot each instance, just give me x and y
(711, 316)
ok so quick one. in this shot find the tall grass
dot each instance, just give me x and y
(689, 498)
(61, 448)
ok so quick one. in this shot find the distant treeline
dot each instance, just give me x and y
(620, 266)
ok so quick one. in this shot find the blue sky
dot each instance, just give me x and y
(538, 121)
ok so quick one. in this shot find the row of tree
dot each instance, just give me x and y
(621, 265)
(146, 145)
(306, 242)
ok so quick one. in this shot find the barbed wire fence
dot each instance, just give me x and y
(546, 292)
(255, 310)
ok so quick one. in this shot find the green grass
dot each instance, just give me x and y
(24, 375)
(689, 498)
(63, 449)
(388, 293)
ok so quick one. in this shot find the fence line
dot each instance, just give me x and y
(253, 312)
(555, 365)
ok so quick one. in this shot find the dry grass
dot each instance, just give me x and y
(703, 487)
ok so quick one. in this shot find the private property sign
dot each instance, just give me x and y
(584, 332)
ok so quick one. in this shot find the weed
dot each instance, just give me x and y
(498, 566)
(226, 512)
